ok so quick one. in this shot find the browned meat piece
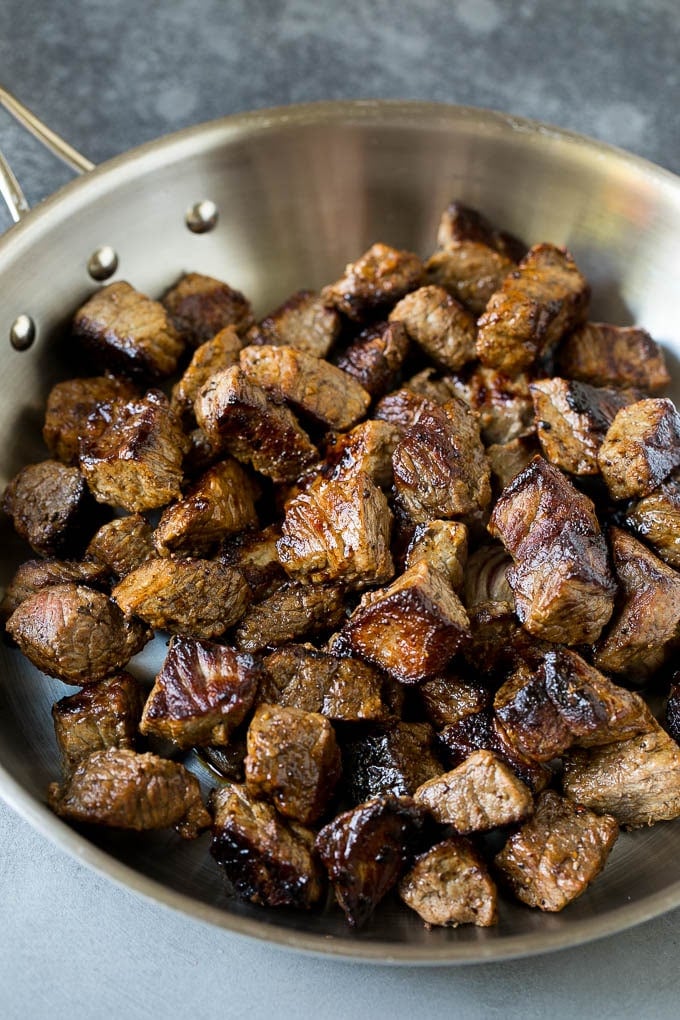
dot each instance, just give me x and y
(480, 794)
(375, 358)
(563, 587)
(470, 271)
(104, 714)
(605, 355)
(645, 629)
(395, 759)
(637, 781)
(508, 459)
(439, 325)
(555, 856)
(460, 222)
(402, 408)
(366, 849)
(436, 388)
(34, 575)
(338, 530)
(303, 322)
(641, 448)
(241, 417)
(123, 544)
(656, 519)
(482, 731)
(199, 598)
(124, 790)
(128, 332)
(439, 466)
(220, 352)
(50, 507)
(268, 860)
(545, 298)
(202, 453)
(131, 454)
(68, 407)
(368, 449)
(293, 611)
(228, 762)
(443, 545)
(76, 634)
(672, 715)
(412, 629)
(504, 405)
(450, 885)
(310, 384)
(220, 503)
(201, 306)
(202, 693)
(293, 760)
(372, 284)
(447, 699)
(254, 553)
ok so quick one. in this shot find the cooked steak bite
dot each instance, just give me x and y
(555, 856)
(395, 759)
(200, 307)
(221, 351)
(482, 731)
(220, 503)
(449, 885)
(50, 507)
(503, 405)
(448, 698)
(367, 448)
(372, 284)
(254, 553)
(68, 407)
(123, 544)
(402, 408)
(124, 790)
(506, 460)
(641, 448)
(199, 598)
(239, 416)
(202, 693)
(438, 324)
(545, 298)
(366, 849)
(293, 611)
(293, 760)
(268, 860)
(131, 453)
(438, 389)
(605, 355)
(103, 714)
(563, 587)
(443, 545)
(645, 629)
(125, 331)
(75, 633)
(303, 322)
(374, 359)
(460, 222)
(470, 271)
(656, 519)
(312, 385)
(34, 575)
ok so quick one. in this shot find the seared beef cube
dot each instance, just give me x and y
(34, 575)
(461, 222)
(672, 719)
(74, 633)
(508, 459)
(555, 856)
(49, 505)
(68, 407)
(396, 760)
(234, 413)
(366, 849)
(411, 629)
(220, 352)
(483, 732)
(482, 793)
(293, 611)
(641, 448)
(439, 466)
(450, 885)
(645, 629)
(372, 284)
(402, 408)
(656, 519)
(375, 358)
(439, 325)
(470, 271)
(293, 760)
(123, 544)
(124, 790)
(254, 553)
(368, 448)
(338, 530)
(104, 714)
(202, 693)
(563, 587)
(503, 405)
(268, 860)
(220, 503)
(131, 454)
(303, 322)
(545, 298)
(443, 545)
(637, 781)
(201, 306)
(447, 699)
(605, 355)
(312, 385)
(128, 332)
(437, 389)
(199, 598)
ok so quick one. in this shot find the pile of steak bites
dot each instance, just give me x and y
(416, 539)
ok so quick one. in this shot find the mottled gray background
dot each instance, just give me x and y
(109, 74)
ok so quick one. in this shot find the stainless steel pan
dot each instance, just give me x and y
(298, 192)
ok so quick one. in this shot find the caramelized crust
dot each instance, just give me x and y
(482, 731)
(402, 408)
(201, 306)
(104, 714)
(123, 544)
(447, 699)
(32, 576)
(375, 358)
(443, 545)
(439, 325)
(641, 448)
(378, 279)
(293, 611)
(254, 553)
(396, 759)
(504, 405)
(605, 355)
(50, 506)
(450, 885)
(221, 351)
(68, 407)
(460, 222)
(656, 519)
(366, 449)
(303, 322)
(470, 271)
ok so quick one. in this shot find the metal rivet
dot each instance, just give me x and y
(201, 217)
(102, 263)
(22, 333)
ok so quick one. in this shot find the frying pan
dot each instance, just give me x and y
(277, 200)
